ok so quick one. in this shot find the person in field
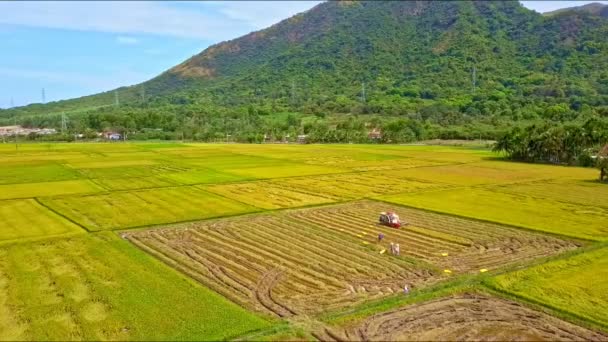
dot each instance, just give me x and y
(392, 248)
(380, 237)
(406, 289)
(397, 250)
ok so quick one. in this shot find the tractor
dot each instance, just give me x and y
(390, 219)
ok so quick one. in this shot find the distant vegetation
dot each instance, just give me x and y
(412, 70)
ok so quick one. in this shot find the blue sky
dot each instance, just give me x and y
(78, 48)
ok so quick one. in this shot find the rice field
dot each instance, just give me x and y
(97, 287)
(27, 218)
(125, 209)
(579, 221)
(577, 285)
(310, 260)
(255, 242)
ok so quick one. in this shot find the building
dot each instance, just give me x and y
(302, 139)
(18, 130)
(112, 135)
(375, 134)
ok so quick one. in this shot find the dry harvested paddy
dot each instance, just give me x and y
(311, 260)
(467, 317)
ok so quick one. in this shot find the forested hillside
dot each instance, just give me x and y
(416, 69)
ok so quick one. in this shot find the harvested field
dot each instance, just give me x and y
(311, 260)
(468, 317)
(470, 245)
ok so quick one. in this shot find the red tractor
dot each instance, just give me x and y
(390, 219)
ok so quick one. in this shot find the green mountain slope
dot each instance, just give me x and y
(447, 60)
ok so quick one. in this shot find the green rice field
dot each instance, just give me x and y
(186, 241)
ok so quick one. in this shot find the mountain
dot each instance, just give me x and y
(450, 61)
(595, 8)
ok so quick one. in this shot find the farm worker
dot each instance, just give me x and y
(406, 289)
(380, 237)
(392, 248)
(397, 249)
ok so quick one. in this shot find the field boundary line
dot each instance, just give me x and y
(33, 239)
(61, 215)
(532, 230)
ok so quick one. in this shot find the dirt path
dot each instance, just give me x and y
(468, 317)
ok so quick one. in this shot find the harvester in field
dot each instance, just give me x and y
(390, 219)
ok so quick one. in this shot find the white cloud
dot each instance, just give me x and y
(159, 18)
(126, 40)
(261, 14)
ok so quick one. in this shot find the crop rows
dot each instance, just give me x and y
(304, 261)
(467, 317)
(470, 245)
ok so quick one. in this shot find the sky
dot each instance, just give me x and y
(75, 48)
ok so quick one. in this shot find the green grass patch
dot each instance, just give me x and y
(538, 214)
(26, 218)
(98, 287)
(117, 210)
(134, 183)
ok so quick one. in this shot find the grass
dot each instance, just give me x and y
(572, 220)
(26, 218)
(117, 210)
(577, 285)
(98, 287)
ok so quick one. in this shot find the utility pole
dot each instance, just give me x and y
(116, 100)
(474, 77)
(363, 92)
(15, 124)
(143, 93)
(43, 97)
(293, 92)
(63, 123)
